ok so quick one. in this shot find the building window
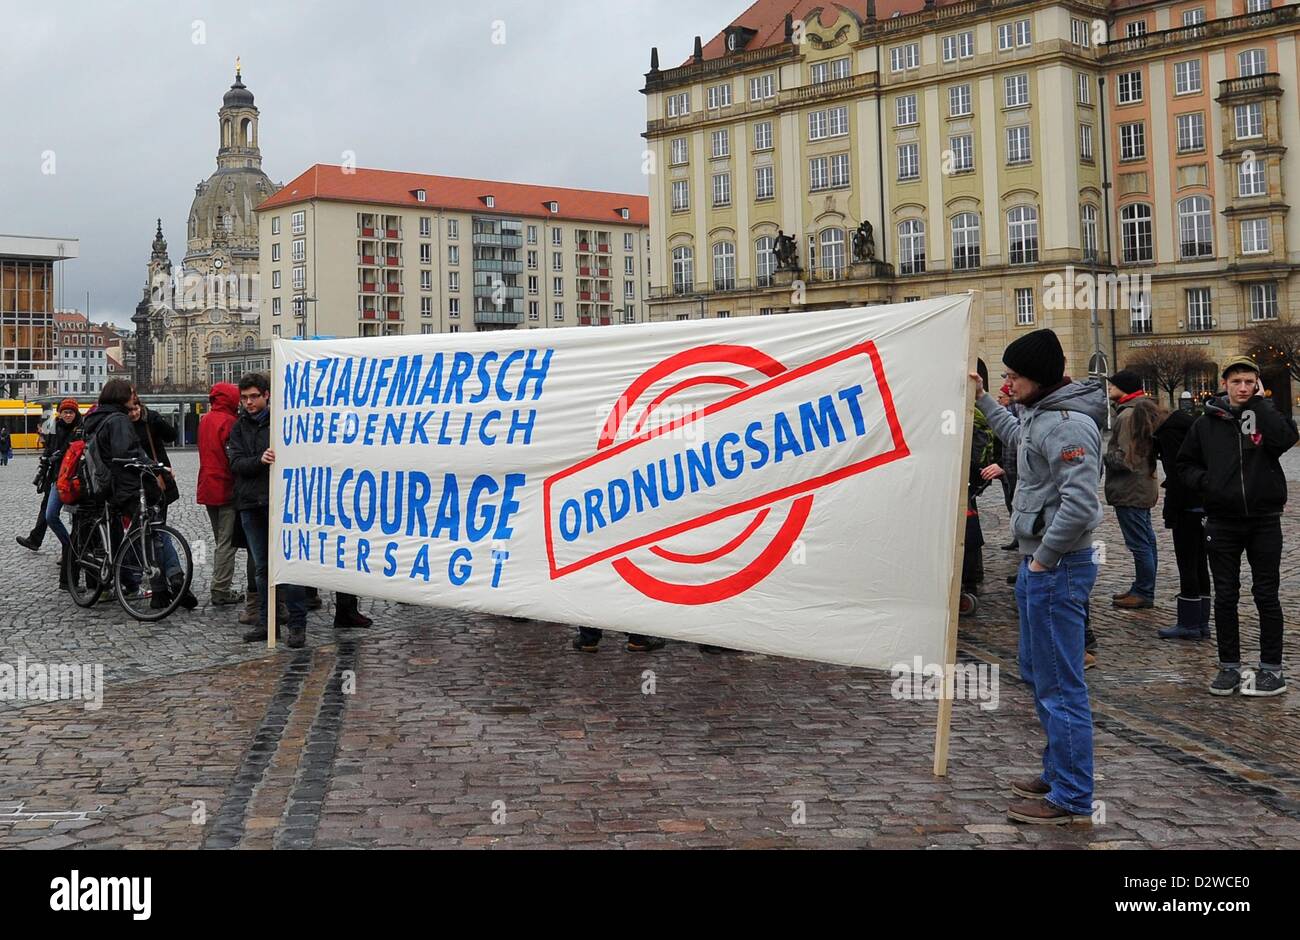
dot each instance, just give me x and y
(1252, 62)
(721, 189)
(959, 101)
(1258, 6)
(533, 284)
(298, 223)
(681, 196)
(426, 306)
(683, 270)
(1085, 143)
(1018, 149)
(629, 242)
(557, 311)
(764, 183)
(275, 225)
(764, 261)
(1128, 87)
(1135, 28)
(909, 162)
(905, 110)
(816, 125)
(1139, 312)
(557, 237)
(818, 173)
(453, 280)
(839, 170)
(1199, 315)
(426, 280)
(629, 266)
(838, 121)
(1193, 17)
(721, 141)
(1249, 120)
(1191, 132)
(763, 135)
(1006, 37)
(958, 46)
(902, 58)
(275, 306)
(1085, 88)
(534, 310)
(1195, 228)
(299, 278)
(911, 246)
(963, 153)
(1132, 141)
(1080, 32)
(557, 261)
(679, 105)
(1263, 301)
(1251, 177)
(275, 280)
(1254, 236)
(275, 252)
(453, 254)
(832, 253)
(1022, 33)
(629, 290)
(965, 241)
(1024, 306)
(426, 226)
(629, 313)
(557, 286)
(1088, 231)
(1135, 233)
(426, 253)
(724, 266)
(1016, 88)
(1022, 232)
(719, 96)
(762, 87)
(453, 306)
(1187, 77)
(532, 260)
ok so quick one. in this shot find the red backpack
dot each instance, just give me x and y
(69, 481)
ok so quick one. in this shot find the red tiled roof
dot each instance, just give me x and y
(392, 188)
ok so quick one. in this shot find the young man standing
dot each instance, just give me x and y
(1131, 486)
(251, 458)
(1055, 512)
(1231, 458)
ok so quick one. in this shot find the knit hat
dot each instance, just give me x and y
(1240, 362)
(69, 404)
(1037, 356)
(983, 371)
(1127, 381)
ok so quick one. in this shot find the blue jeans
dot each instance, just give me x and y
(52, 508)
(257, 531)
(1141, 541)
(1051, 606)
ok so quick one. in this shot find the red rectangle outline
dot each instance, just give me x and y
(899, 451)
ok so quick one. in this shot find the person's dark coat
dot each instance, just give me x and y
(1169, 439)
(1233, 473)
(155, 432)
(56, 445)
(111, 426)
(249, 439)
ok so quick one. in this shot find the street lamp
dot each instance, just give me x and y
(315, 327)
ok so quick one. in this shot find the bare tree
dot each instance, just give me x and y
(1168, 366)
(1277, 343)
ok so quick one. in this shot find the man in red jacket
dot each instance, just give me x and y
(216, 488)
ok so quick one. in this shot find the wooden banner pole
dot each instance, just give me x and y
(273, 523)
(944, 728)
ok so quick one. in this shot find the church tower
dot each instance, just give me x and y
(156, 287)
(238, 123)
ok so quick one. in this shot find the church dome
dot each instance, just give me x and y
(239, 96)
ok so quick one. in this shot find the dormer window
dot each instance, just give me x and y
(738, 38)
(490, 201)
(624, 213)
(421, 195)
(553, 206)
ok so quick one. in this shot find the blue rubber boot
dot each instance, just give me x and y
(1188, 626)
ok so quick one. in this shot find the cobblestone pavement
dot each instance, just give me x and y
(441, 728)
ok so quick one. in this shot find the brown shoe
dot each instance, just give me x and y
(1028, 789)
(1089, 660)
(1043, 813)
(1116, 597)
(1132, 602)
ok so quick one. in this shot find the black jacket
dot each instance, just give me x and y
(249, 439)
(110, 425)
(1237, 474)
(56, 445)
(154, 433)
(1169, 437)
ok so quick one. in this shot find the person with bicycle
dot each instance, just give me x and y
(251, 458)
(66, 429)
(155, 432)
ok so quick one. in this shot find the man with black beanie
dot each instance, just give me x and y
(1054, 514)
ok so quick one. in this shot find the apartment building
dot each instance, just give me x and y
(359, 252)
(83, 351)
(1114, 171)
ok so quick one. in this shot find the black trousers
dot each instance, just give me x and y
(1261, 539)
(37, 534)
(1191, 553)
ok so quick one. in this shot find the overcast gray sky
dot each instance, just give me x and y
(125, 97)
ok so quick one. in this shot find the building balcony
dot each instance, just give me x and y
(394, 314)
(368, 260)
(504, 266)
(604, 297)
(498, 317)
(584, 295)
(1264, 85)
(602, 249)
(369, 314)
(584, 272)
(369, 288)
(504, 291)
(504, 240)
(392, 287)
(835, 88)
(584, 246)
(603, 274)
(367, 232)
(1228, 27)
(392, 233)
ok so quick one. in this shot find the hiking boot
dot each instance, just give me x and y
(351, 620)
(296, 638)
(224, 600)
(1116, 597)
(1207, 609)
(27, 542)
(1188, 625)
(1132, 602)
(1043, 813)
(1035, 789)
(248, 617)
(584, 645)
(1226, 682)
(636, 643)
(1265, 683)
(258, 633)
(177, 585)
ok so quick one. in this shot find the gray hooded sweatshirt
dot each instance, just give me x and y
(1058, 453)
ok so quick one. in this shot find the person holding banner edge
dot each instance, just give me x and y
(1056, 511)
(251, 457)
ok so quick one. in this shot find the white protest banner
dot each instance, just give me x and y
(783, 484)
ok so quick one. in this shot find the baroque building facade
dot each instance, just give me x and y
(1117, 171)
(209, 305)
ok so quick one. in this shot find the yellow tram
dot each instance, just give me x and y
(23, 419)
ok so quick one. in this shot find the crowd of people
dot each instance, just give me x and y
(1224, 495)
(235, 460)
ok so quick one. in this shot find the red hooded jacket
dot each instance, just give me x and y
(216, 482)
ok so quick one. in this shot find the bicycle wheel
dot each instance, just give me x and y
(151, 572)
(85, 563)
